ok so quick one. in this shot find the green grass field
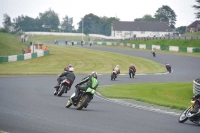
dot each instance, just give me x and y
(10, 44)
(84, 61)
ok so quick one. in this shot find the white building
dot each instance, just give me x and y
(128, 29)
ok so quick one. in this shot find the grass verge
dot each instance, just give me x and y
(174, 95)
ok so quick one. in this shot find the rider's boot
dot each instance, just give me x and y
(196, 108)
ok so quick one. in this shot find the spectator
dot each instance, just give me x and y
(56, 42)
(23, 50)
(66, 42)
(45, 48)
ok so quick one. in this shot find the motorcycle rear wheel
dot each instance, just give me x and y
(61, 90)
(183, 117)
(83, 102)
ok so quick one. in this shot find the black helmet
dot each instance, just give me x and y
(94, 74)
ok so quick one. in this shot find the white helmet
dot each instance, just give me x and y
(117, 66)
(71, 69)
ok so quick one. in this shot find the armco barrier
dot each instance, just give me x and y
(196, 87)
(149, 46)
(21, 57)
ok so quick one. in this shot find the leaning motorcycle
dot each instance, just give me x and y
(82, 100)
(63, 87)
(113, 75)
(154, 54)
(187, 114)
(169, 69)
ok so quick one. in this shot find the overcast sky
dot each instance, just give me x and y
(125, 10)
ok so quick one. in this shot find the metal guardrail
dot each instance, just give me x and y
(196, 87)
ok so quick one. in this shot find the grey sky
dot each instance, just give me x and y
(126, 10)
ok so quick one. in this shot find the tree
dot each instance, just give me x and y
(66, 24)
(146, 18)
(7, 23)
(181, 29)
(166, 14)
(197, 7)
(25, 23)
(50, 20)
(93, 24)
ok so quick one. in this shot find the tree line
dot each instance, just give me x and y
(89, 24)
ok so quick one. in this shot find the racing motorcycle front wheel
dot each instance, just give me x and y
(183, 117)
(68, 104)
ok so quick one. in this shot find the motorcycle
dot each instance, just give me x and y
(154, 54)
(169, 69)
(132, 73)
(187, 114)
(82, 100)
(90, 43)
(113, 75)
(63, 87)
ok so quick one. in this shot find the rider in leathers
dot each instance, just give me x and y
(89, 81)
(132, 67)
(196, 104)
(66, 75)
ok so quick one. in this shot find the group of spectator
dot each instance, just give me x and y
(29, 50)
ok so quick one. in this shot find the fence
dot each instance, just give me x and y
(20, 57)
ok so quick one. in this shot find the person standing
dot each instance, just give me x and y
(23, 50)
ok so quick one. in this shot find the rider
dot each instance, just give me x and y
(196, 104)
(117, 69)
(68, 74)
(153, 51)
(168, 66)
(67, 67)
(89, 81)
(132, 67)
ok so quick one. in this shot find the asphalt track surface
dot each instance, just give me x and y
(27, 104)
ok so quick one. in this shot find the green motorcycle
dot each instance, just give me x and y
(82, 100)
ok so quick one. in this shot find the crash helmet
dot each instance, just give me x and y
(94, 74)
(70, 65)
(117, 66)
(71, 69)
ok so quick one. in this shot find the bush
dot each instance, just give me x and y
(3, 30)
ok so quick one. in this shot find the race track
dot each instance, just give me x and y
(27, 104)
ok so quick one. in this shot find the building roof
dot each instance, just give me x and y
(194, 24)
(141, 26)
